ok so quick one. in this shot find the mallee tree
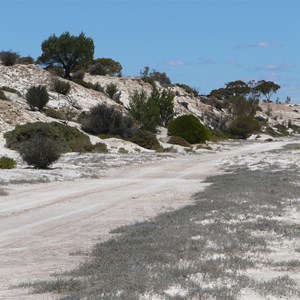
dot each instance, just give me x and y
(67, 51)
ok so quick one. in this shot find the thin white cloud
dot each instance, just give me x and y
(265, 45)
(175, 63)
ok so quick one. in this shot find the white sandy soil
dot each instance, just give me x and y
(42, 223)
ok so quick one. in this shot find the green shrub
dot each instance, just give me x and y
(106, 66)
(178, 140)
(61, 87)
(55, 114)
(9, 58)
(79, 74)
(26, 60)
(145, 139)
(58, 71)
(97, 148)
(157, 109)
(107, 120)
(68, 138)
(88, 85)
(97, 69)
(190, 128)
(7, 163)
(2, 95)
(11, 90)
(151, 77)
(111, 89)
(39, 151)
(244, 126)
(37, 97)
(188, 89)
(122, 150)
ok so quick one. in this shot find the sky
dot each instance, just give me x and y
(201, 43)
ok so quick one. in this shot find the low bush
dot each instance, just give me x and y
(97, 69)
(55, 114)
(11, 90)
(37, 97)
(2, 95)
(145, 139)
(39, 151)
(188, 89)
(97, 148)
(111, 89)
(9, 58)
(190, 128)
(26, 60)
(178, 140)
(107, 120)
(244, 126)
(88, 85)
(61, 87)
(69, 139)
(7, 163)
(78, 75)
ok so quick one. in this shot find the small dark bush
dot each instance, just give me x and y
(151, 77)
(97, 148)
(55, 114)
(37, 96)
(2, 95)
(26, 60)
(58, 71)
(78, 75)
(244, 126)
(178, 140)
(39, 151)
(108, 120)
(189, 128)
(88, 85)
(111, 89)
(9, 58)
(68, 138)
(97, 69)
(145, 139)
(61, 87)
(188, 89)
(7, 163)
(11, 90)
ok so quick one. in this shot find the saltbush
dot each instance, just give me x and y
(190, 128)
(39, 151)
(61, 87)
(26, 60)
(178, 140)
(37, 97)
(11, 90)
(78, 75)
(244, 126)
(108, 120)
(9, 58)
(111, 89)
(7, 163)
(97, 69)
(69, 139)
(145, 139)
(2, 95)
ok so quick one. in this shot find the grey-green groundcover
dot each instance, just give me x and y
(212, 249)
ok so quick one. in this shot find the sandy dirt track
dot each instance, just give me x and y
(42, 223)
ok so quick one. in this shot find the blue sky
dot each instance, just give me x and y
(201, 43)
